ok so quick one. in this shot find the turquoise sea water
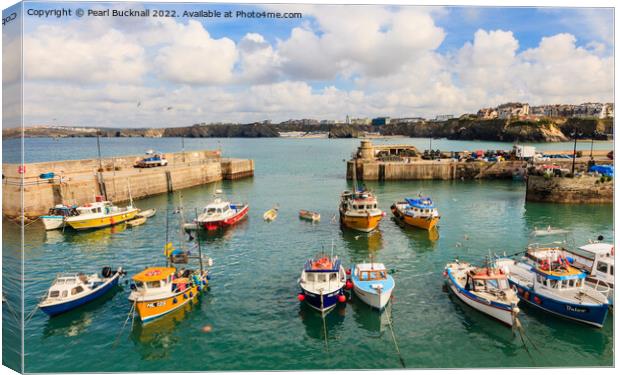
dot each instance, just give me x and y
(257, 322)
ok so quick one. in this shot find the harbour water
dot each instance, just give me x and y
(257, 322)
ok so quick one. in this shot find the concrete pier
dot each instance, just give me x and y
(78, 181)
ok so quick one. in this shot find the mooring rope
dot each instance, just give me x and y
(400, 357)
(131, 312)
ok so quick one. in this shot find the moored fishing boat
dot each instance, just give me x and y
(137, 221)
(322, 283)
(485, 289)
(70, 291)
(359, 211)
(271, 214)
(147, 213)
(554, 286)
(100, 214)
(55, 218)
(309, 215)
(372, 284)
(419, 212)
(221, 214)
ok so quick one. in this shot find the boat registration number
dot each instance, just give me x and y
(156, 304)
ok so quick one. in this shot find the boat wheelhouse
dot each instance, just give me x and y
(221, 214)
(418, 212)
(597, 260)
(322, 283)
(359, 210)
(555, 286)
(372, 284)
(486, 289)
(100, 214)
(70, 291)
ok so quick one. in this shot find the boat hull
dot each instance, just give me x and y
(102, 222)
(330, 300)
(374, 300)
(222, 224)
(361, 223)
(498, 311)
(152, 309)
(57, 309)
(589, 314)
(51, 222)
(418, 222)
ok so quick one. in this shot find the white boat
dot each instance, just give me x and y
(221, 214)
(309, 215)
(372, 284)
(55, 218)
(486, 289)
(70, 291)
(597, 261)
(147, 213)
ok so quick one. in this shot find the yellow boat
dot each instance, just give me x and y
(358, 210)
(161, 290)
(100, 214)
(271, 215)
(419, 212)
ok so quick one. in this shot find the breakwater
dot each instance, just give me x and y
(79, 181)
(582, 189)
(404, 162)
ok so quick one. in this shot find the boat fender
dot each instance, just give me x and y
(191, 294)
(199, 288)
(342, 298)
(208, 278)
(185, 295)
(537, 300)
(174, 300)
(133, 286)
(301, 297)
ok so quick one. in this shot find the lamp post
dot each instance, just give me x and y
(99, 151)
(574, 134)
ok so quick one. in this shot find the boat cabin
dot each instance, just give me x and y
(486, 280)
(596, 259)
(420, 206)
(217, 208)
(154, 280)
(322, 270)
(557, 275)
(62, 210)
(360, 200)
(370, 272)
(67, 287)
(105, 207)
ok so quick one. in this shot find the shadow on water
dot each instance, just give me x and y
(312, 321)
(220, 235)
(75, 322)
(93, 236)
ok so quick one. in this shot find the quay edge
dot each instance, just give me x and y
(78, 181)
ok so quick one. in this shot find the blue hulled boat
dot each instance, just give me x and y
(322, 283)
(70, 291)
(556, 287)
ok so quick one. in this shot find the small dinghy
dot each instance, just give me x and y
(55, 218)
(372, 284)
(271, 214)
(309, 215)
(147, 213)
(137, 221)
(70, 291)
(322, 283)
(486, 289)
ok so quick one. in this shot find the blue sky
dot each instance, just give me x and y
(359, 60)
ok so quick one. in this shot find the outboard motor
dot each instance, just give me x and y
(106, 271)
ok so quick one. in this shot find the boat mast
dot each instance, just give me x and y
(199, 249)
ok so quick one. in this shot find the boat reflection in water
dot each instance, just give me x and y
(372, 320)
(313, 321)
(76, 322)
(95, 236)
(419, 239)
(363, 243)
(153, 340)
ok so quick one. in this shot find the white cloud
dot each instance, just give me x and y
(194, 57)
